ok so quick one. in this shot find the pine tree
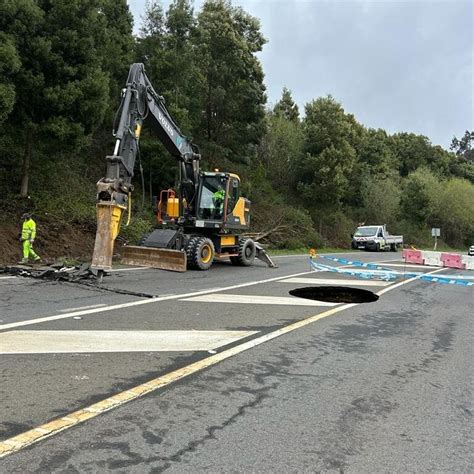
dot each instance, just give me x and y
(286, 107)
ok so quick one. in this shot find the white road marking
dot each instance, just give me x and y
(377, 272)
(307, 255)
(328, 281)
(82, 307)
(7, 278)
(404, 282)
(141, 302)
(254, 299)
(61, 342)
(54, 427)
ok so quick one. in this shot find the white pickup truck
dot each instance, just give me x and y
(375, 237)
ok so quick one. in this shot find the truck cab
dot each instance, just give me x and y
(375, 237)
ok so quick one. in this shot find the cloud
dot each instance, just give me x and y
(397, 65)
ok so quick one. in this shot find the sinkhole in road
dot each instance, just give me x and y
(335, 294)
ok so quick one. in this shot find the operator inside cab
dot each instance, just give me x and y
(218, 202)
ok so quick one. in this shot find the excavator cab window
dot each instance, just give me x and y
(233, 194)
(212, 197)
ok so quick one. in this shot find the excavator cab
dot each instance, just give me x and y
(220, 203)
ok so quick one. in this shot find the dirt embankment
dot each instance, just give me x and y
(53, 241)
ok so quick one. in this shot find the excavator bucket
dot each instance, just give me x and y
(164, 259)
(109, 216)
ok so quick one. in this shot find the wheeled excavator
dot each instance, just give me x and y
(197, 223)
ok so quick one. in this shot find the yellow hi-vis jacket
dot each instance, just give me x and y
(28, 231)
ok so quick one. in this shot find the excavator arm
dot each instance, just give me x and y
(140, 105)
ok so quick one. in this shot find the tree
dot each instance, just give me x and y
(463, 164)
(381, 201)
(420, 196)
(118, 48)
(165, 47)
(464, 146)
(229, 82)
(279, 150)
(9, 64)
(62, 90)
(377, 154)
(411, 151)
(286, 107)
(455, 210)
(331, 141)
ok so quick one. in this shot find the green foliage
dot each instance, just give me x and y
(229, 83)
(331, 140)
(62, 88)
(411, 151)
(419, 198)
(376, 153)
(9, 64)
(280, 150)
(311, 180)
(286, 107)
(335, 225)
(282, 226)
(140, 225)
(464, 146)
(455, 211)
(381, 201)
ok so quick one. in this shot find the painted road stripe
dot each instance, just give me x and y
(335, 281)
(7, 278)
(61, 342)
(82, 307)
(254, 299)
(141, 302)
(47, 430)
(306, 255)
(375, 272)
(404, 282)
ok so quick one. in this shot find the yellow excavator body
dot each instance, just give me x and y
(200, 222)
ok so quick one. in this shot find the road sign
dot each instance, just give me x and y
(435, 232)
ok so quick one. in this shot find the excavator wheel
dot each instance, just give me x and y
(200, 253)
(247, 253)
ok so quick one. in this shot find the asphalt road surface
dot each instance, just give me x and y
(225, 371)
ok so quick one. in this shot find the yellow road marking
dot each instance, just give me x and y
(39, 433)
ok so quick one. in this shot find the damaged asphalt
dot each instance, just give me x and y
(380, 387)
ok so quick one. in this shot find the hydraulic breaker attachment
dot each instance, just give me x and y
(262, 255)
(165, 259)
(109, 216)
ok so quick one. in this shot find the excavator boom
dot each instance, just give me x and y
(140, 104)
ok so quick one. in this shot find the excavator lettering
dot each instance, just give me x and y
(199, 222)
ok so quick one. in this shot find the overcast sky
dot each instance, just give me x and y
(396, 65)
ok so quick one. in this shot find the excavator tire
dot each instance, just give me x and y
(200, 253)
(247, 253)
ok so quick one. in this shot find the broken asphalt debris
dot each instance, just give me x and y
(80, 274)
